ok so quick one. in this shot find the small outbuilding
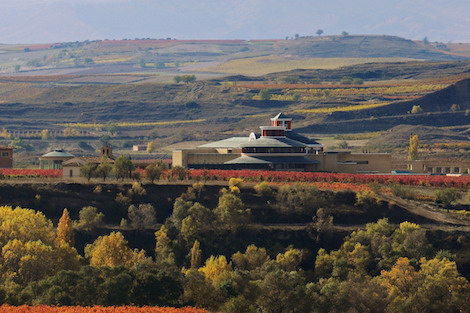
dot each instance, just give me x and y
(54, 159)
(6, 157)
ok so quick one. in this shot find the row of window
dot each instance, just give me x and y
(273, 133)
(446, 170)
(274, 150)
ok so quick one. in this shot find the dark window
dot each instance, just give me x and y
(5, 154)
(456, 169)
(447, 169)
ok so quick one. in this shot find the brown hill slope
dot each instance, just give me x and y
(437, 110)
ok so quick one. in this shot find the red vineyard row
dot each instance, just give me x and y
(270, 176)
(94, 309)
(25, 172)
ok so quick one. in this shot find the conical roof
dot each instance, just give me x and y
(58, 153)
(281, 116)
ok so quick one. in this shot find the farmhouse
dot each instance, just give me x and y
(71, 167)
(278, 147)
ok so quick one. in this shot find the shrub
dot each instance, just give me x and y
(263, 189)
(447, 196)
(89, 219)
(403, 191)
(416, 109)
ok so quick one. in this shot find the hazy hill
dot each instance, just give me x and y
(361, 47)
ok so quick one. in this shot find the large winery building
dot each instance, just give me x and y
(278, 147)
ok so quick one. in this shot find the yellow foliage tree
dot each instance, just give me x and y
(29, 247)
(65, 229)
(413, 148)
(215, 267)
(290, 260)
(436, 287)
(24, 225)
(196, 255)
(112, 251)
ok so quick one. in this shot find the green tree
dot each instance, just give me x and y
(122, 167)
(89, 219)
(283, 292)
(164, 254)
(357, 81)
(143, 216)
(232, 211)
(104, 169)
(345, 33)
(319, 32)
(88, 170)
(265, 94)
(252, 259)
(346, 80)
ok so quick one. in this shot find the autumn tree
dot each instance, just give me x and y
(413, 148)
(29, 248)
(151, 147)
(196, 255)
(45, 134)
(65, 229)
(435, 287)
(112, 251)
(215, 266)
(416, 109)
(164, 254)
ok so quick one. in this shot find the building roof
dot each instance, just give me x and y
(79, 161)
(298, 137)
(272, 160)
(273, 142)
(234, 142)
(57, 153)
(5, 148)
(281, 116)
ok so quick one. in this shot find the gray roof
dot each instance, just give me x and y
(272, 142)
(234, 142)
(272, 160)
(281, 116)
(58, 153)
(298, 137)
